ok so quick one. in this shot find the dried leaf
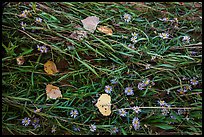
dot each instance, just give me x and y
(104, 104)
(105, 30)
(79, 34)
(50, 67)
(53, 92)
(90, 23)
(20, 60)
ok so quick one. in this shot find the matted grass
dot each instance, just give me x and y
(87, 66)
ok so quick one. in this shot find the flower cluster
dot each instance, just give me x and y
(25, 13)
(144, 83)
(134, 37)
(42, 49)
(162, 103)
(169, 20)
(27, 121)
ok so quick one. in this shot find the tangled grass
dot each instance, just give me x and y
(161, 66)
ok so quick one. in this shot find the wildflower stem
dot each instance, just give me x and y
(193, 108)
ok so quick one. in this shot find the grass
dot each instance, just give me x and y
(87, 66)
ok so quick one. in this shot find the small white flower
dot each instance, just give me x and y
(146, 82)
(164, 35)
(136, 123)
(136, 109)
(23, 25)
(108, 89)
(131, 46)
(44, 49)
(53, 130)
(162, 103)
(26, 121)
(147, 66)
(186, 39)
(129, 91)
(113, 81)
(193, 81)
(133, 39)
(92, 128)
(74, 113)
(176, 20)
(135, 35)
(122, 112)
(180, 111)
(114, 130)
(140, 85)
(164, 19)
(127, 17)
(164, 111)
(153, 58)
(24, 14)
(38, 20)
(182, 91)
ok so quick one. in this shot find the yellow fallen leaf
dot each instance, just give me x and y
(20, 60)
(104, 104)
(50, 67)
(105, 30)
(53, 92)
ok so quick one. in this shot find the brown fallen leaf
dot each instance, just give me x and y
(50, 67)
(105, 30)
(20, 60)
(90, 23)
(104, 104)
(53, 92)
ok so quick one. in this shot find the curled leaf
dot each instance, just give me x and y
(105, 30)
(50, 67)
(104, 104)
(53, 92)
(90, 23)
(20, 60)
